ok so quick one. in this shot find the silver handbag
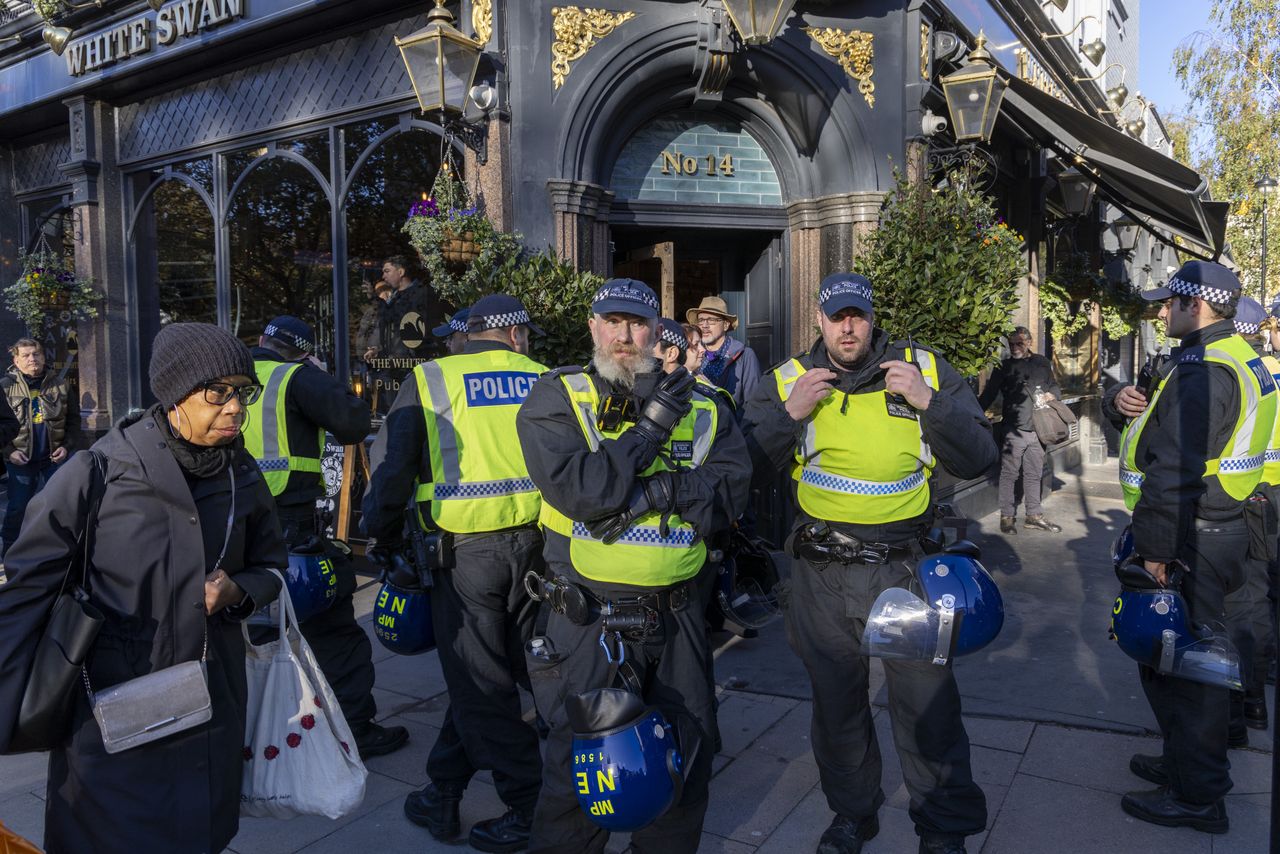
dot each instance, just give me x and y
(163, 703)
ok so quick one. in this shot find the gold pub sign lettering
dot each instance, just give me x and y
(182, 19)
(677, 163)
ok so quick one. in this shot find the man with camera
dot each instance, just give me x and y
(858, 421)
(449, 444)
(636, 468)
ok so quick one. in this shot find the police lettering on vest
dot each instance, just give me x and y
(498, 388)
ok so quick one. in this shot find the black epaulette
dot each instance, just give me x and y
(564, 370)
(712, 392)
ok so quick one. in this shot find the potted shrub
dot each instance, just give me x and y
(47, 292)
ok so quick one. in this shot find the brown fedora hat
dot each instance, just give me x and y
(712, 305)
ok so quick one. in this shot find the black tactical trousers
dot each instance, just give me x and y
(342, 648)
(1193, 716)
(825, 617)
(673, 667)
(1249, 614)
(482, 618)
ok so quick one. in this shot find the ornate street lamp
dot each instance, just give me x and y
(1093, 51)
(758, 21)
(1126, 230)
(441, 61)
(1077, 191)
(974, 94)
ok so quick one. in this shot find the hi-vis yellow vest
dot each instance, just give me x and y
(1239, 468)
(1271, 461)
(863, 458)
(266, 435)
(474, 478)
(642, 556)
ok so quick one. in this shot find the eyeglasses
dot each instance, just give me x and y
(712, 321)
(219, 394)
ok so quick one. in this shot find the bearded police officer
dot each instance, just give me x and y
(450, 443)
(1191, 456)
(859, 420)
(636, 468)
(285, 431)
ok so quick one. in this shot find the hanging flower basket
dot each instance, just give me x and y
(448, 231)
(48, 293)
(459, 250)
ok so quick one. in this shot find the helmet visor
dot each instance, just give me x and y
(750, 607)
(902, 625)
(1212, 661)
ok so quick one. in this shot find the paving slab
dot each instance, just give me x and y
(743, 717)
(998, 733)
(409, 763)
(24, 772)
(789, 738)
(23, 813)
(755, 794)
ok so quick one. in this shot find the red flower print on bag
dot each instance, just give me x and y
(248, 753)
(271, 751)
(293, 739)
(308, 721)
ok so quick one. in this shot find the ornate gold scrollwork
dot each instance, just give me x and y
(482, 19)
(854, 50)
(924, 52)
(575, 31)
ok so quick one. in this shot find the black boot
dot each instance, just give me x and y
(436, 809)
(374, 740)
(1159, 806)
(1149, 768)
(509, 832)
(1255, 711)
(942, 845)
(846, 835)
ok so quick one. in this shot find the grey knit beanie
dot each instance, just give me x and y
(184, 356)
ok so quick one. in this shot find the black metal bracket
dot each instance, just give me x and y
(975, 164)
(473, 136)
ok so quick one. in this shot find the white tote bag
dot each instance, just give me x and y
(300, 757)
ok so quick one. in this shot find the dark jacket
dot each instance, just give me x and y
(1015, 381)
(397, 456)
(586, 485)
(953, 425)
(62, 426)
(1192, 422)
(156, 538)
(407, 318)
(739, 373)
(316, 401)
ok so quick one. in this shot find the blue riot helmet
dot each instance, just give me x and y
(627, 766)
(1122, 550)
(402, 611)
(961, 610)
(311, 579)
(1151, 625)
(745, 582)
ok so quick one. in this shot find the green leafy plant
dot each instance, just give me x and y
(1121, 311)
(454, 238)
(48, 9)
(945, 268)
(558, 298)
(47, 290)
(1066, 316)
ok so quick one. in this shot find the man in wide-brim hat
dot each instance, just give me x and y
(728, 362)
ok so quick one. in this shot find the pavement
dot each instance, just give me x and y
(1053, 710)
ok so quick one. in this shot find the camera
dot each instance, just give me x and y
(930, 123)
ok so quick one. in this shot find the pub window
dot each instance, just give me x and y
(278, 222)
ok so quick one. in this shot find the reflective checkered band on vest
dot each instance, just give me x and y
(835, 483)
(485, 489)
(273, 465)
(1241, 463)
(645, 535)
(1131, 478)
(1272, 456)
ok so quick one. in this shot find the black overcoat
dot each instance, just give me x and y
(157, 536)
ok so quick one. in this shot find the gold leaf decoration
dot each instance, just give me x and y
(482, 20)
(854, 50)
(575, 31)
(924, 51)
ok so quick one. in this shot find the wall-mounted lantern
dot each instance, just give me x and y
(1077, 191)
(758, 21)
(974, 94)
(441, 62)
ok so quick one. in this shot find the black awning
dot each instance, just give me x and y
(1127, 172)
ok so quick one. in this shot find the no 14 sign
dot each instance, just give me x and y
(679, 163)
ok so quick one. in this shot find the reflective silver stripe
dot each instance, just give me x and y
(790, 372)
(450, 460)
(925, 360)
(701, 436)
(581, 384)
(270, 426)
(644, 535)
(816, 477)
(483, 488)
(1243, 438)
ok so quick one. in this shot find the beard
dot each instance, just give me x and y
(851, 352)
(620, 364)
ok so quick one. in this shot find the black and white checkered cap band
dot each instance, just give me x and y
(670, 336)
(501, 321)
(457, 325)
(1247, 328)
(628, 294)
(1194, 289)
(273, 331)
(856, 288)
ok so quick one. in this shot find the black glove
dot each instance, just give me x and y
(653, 494)
(665, 406)
(394, 566)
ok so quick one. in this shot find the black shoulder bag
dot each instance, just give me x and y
(45, 717)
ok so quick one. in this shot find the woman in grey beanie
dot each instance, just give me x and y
(181, 548)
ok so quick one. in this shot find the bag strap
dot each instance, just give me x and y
(97, 489)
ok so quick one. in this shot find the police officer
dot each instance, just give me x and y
(1192, 454)
(454, 332)
(636, 467)
(450, 443)
(859, 420)
(285, 431)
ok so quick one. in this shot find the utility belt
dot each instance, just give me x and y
(459, 539)
(819, 544)
(634, 616)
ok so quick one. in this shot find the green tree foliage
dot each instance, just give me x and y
(1231, 74)
(945, 269)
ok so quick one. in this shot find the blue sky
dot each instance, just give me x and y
(1163, 25)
